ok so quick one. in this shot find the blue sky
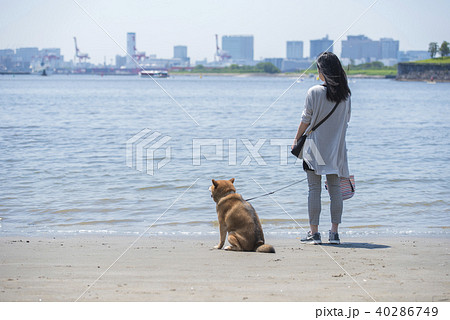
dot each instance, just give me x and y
(160, 25)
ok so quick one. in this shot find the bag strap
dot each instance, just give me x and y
(324, 119)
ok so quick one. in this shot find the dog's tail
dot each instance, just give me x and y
(266, 248)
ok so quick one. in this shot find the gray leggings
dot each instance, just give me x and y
(314, 201)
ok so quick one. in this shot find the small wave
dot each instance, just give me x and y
(193, 208)
(281, 221)
(67, 211)
(107, 200)
(153, 187)
(17, 127)
(439, 227)
(395, 180)
(421, 180)
(215, 223)
(423, 203)
(105, 210)
(182, 187)
(188, 223)
(85, 223)
(92, 231)
(368, 226)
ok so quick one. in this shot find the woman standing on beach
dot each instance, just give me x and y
(325, 152)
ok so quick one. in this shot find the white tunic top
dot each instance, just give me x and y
(325, 150)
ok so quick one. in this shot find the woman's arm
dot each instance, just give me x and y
(306, 116)
(301, 130)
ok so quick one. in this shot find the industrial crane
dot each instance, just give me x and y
(223, 55)
(139, 55)
(78, 54)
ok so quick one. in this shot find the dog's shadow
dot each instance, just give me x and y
(357, 245)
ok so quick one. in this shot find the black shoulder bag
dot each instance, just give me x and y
(299, 146)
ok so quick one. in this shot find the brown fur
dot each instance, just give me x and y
(237, 218)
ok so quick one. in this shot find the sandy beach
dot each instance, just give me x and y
(174, 269)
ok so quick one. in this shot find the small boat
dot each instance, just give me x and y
(154, 73)
(431, 81)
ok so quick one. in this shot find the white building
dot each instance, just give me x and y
(131, 49)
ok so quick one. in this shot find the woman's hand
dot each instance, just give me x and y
(294, 144)
(301, 130)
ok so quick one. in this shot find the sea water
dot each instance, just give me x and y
(64, 166)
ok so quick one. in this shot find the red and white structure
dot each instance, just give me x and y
(82, 57)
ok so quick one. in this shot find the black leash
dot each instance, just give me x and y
(269, 193)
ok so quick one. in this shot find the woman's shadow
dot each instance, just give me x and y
(357, 245)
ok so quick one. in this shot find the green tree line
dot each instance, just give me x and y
(262, 67)
(433, 49)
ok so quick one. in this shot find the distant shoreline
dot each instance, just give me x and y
(239, 75)
(278, 75)
(14, 73)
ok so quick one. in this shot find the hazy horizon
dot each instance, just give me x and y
(160, 25)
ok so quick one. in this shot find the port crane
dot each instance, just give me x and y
(222, 55)
(139, 55)
(78, 54)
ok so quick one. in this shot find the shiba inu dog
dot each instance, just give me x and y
(238, 218)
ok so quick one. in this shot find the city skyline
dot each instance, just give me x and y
(237, 49)
(161, 25)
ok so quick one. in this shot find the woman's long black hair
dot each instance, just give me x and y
(335, 78)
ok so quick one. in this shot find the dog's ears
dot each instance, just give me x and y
(232, 180)
(214, 183)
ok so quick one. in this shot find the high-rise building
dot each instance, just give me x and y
(362, 48)
(294, 50)
(295, 65)
(277, 62)
(6, 52)
(180, 56)
(413, 55)
(131, 49)
(31, 59)
(180, 52)
(6, 59)
(316, 47)
(389, 48)
(240, 48)
(24, 57)
(27, 54)
(121, 61)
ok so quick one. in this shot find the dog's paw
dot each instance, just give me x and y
(228, 248)
(217, 247)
